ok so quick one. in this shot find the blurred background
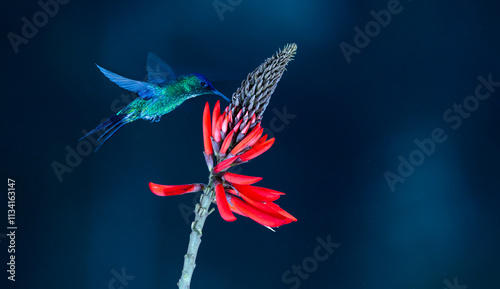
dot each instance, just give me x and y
(386, 127)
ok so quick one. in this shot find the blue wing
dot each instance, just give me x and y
(158, 71)
(144, 89)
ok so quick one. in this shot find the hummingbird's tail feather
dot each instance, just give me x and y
(107, 129)
(109, 133)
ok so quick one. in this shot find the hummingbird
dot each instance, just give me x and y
(159, 95)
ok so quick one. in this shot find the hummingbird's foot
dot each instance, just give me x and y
(155, 118)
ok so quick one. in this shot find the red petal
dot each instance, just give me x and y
(222, 204)
(241, 179)
(226, 143)
(237, 126)
(232, 207)
(217, 127)
(267, 191)
(207, 143)
(225, 122)
(270, 208)
(215, 115)
(257, 150)
(261, 140)
(259, 216)
(245, 129)
(284, 213)
(255, 138)
(244, 143)
(224, 165)
(256, 193)
(163, 190)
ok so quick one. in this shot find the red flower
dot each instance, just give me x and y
(234, 136)
(231, 139)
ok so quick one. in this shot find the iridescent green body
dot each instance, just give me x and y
(168, 97)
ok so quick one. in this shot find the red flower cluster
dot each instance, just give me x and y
(228, 143)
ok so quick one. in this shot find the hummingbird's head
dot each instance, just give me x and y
(199, 84)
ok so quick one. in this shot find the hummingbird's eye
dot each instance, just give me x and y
(204, 84)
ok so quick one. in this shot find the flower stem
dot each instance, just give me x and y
(201, 214)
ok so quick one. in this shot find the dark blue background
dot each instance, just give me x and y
(352, 122)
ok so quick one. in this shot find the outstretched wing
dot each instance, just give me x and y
(143, 89)
(158, 71)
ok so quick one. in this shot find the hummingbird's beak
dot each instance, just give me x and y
(215, 91)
